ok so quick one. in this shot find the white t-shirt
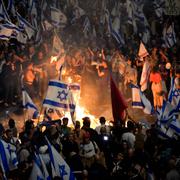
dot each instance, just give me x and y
(88, 150)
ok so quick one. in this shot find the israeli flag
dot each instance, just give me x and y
(175, 126)
(3, 13)
(25, 25)
(115, 30)
(169, 36)
(174, 96)
(5, 33)
(58, 18)
(37, 173)
(57, 96)
(8, 157)
(166, 113)
(136, 97)
(29, 105)
(59, 166)
(140, 101)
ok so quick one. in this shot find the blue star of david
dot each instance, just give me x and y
(176, 93)
(62, 95)
(62, 171)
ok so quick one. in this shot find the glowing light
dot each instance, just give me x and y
(53, 59)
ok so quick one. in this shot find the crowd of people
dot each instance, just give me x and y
(89, 59)
(107, 152)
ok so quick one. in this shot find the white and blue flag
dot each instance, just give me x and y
(25, 25)
(58, 18)
(29, 105)
(8, 157)
(59, 166)
(169, 36)
(140, 101)
(8, 30)
(174, 96)
(58, 96)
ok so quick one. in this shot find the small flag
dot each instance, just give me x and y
(142, 51)
(29, 105)
(145, 76)
(136, 97)
(169, 36)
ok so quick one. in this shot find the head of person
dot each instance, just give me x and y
(65, 121)
(86, 122)
(77, 125)
(9, 133)
(130, 126)
(102, 120)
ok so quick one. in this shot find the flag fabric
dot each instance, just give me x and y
(58, 18)
(145, 76)
(8, 157)
(140, 101)
(159, 6)
(22, 37)
(169, 36)
(77, 13)
(174, 96)
(115, 30)
(8, 30)
(142, 51)
(58, 46)
(148, 108)
(29, 105)
(3, 13)
(59, 166)
(5, 33)
(136, 97)
(58, 96)
(119, 104)
(25, 25)
(37, 173)
(175, 126)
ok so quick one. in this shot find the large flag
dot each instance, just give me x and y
(58, 18)
(3, 13)
(145, 76)
(58, 164)
(29, 105)
(169, 36)
(119, 104)
(58, 96)
(142, 51)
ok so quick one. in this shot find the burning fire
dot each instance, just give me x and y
(82, 112)
(53, 59)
